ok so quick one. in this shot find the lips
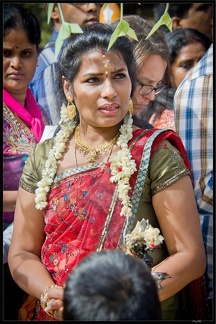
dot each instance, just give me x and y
(109, 107)
(91, 21)
(15, 76)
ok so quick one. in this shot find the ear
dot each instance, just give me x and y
(176, 22)
(67, 89)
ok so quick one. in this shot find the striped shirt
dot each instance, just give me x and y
(44, 83)
(193, 106)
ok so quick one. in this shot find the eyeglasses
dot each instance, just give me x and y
(145, 89)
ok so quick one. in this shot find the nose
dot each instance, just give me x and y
(108, 91)
(92, 6)
(150, 96)
(16, 62)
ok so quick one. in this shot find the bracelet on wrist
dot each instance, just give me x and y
(44, 298)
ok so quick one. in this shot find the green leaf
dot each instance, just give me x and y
(65, 31)
(122, 29)
(58, 45)
(49, 11)
(164, 20)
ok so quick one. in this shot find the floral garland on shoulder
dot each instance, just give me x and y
(122, 165)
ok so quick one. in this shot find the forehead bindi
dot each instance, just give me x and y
(102, 62)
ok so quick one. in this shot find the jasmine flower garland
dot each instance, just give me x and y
(67, 128)
(122, 165)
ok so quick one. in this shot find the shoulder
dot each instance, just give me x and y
(166, 166)
(141, 123)
(44, 146)
(40, 153)
(45, 58)
(35, 164)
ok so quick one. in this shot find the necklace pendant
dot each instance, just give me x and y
(92, 156)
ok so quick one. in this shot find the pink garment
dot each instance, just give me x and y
(164, 120)
(31, 115)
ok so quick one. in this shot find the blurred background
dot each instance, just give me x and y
(143, 9)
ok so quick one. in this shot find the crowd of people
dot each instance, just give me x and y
(131, 139)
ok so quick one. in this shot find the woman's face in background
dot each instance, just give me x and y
(187, 58)
(150, 73)
(19, 61)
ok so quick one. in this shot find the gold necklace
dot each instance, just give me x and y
(92, 152)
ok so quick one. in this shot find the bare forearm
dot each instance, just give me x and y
(182, 271)
(33, 281)
(9, 200)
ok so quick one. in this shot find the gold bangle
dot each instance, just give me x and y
(44, 298)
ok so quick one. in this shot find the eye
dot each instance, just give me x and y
(26, 53)
(93, 80)
(6, 53)
(119, 76)
(186, 66)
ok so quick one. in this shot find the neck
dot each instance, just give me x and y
(91, 152)
(97, 136)
(19, 97)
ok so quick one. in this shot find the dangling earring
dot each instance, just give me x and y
(71, 110)
(130, 107)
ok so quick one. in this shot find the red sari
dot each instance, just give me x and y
(79, 207)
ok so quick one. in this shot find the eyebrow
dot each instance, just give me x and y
(149, 81)
(100, 74)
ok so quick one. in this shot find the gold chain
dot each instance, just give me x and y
(92, 152)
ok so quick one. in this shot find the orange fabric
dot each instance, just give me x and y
(109, 13)
(26, 311)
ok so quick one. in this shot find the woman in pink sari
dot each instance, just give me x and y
(86, 188)
(22, 118)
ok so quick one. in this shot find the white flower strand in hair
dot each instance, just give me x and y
(122, 165)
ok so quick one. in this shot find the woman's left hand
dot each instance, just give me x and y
(55, 302)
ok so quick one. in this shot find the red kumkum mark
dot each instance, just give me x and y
(103, 53)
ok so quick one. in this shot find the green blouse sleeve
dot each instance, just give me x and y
(166, 166)
(35, 163)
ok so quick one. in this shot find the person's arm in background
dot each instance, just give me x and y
(7, 234)
(9, 200)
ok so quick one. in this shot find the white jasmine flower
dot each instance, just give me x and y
(122, 164)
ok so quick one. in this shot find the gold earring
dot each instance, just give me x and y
(130, 107)
(71, 110)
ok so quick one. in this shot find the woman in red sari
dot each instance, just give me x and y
(85, 189)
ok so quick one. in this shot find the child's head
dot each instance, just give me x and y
(110, 285)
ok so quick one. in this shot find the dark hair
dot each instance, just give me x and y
(16, 16)
(96, 36)
(181, 37)
(175, 9)
(110, 285)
